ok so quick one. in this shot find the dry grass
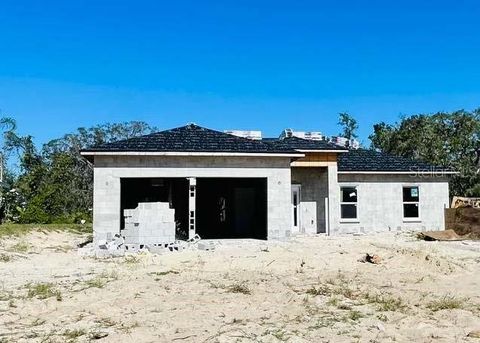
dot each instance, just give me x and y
(446, 303)
(320, 290)
(385, 302)
(239, 288)
(17, 230)
(164, 273)
(100, 280)
(5, 258)
(72, 335)
(20, 247)
(43, 291)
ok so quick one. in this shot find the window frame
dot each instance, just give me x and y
(349, 220)
(411, 219)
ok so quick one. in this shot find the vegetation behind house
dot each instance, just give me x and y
(54, 184)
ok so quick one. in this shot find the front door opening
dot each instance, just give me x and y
(231, 208)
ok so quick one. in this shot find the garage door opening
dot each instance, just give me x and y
(231, 208)
(167, 190)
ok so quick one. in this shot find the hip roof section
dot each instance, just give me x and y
(363, 160)
(194, 139)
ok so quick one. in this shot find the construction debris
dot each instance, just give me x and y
(149, 228)
(460, 202)
(116, 247)
(371, 258)
(447, 235)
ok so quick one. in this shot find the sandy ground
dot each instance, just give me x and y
(310, 289)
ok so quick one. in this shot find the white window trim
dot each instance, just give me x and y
(348, 220)
(412, 219)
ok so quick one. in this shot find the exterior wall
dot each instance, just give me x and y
(380, 203)
(110, 169)
(314, 190)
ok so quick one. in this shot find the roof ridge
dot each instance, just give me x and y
(191, 138)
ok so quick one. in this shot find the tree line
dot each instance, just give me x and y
(54, 183)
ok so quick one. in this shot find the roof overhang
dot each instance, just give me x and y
(424, 172)
(320, 150)
(186, 153)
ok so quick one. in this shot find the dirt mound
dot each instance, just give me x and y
(464, 221)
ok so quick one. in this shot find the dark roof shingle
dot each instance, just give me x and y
(191, 138)
(303, 144)
(374, 161)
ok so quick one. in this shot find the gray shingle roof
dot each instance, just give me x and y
(191, 138)
(303, 144)
(374, 161)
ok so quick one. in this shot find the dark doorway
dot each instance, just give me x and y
(171, 190)
(231, 208)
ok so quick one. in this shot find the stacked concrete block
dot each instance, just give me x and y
(150, 224)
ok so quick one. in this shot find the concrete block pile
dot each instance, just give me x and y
(150, 224)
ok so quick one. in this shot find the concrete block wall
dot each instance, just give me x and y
(149, 224)
(314, 190)
(108, 170)
(380, 203)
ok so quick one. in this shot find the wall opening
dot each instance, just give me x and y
(168, 190)
(231, 208)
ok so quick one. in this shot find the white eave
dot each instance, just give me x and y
(172, 153)
(320, 150)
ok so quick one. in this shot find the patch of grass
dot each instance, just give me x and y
(344, 307)
(385, 302)
(5, 258)
(333, 301)
(43, 291)
(74, 334)
(446, 303)
(23, 229)
(164, 273)
(20, 247)
(382, 317)
(355, 315)
(216, 285)
(239, 288)
(320, 290)
(132, 259)
(6, 296)
(100, 280)
(327, 320)
(347, 292)
(97, 282)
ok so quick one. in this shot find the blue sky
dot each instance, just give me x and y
(235, 64)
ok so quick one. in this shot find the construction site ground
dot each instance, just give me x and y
(307, 289)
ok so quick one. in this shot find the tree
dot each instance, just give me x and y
(55, 184)
(442, 139)
(11, 201)
(349, 125)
